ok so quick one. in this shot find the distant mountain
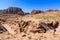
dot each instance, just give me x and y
(36, 11)
(16, 10)
(12, 10)
(51, 10)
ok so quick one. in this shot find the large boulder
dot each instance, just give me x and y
(36, 11)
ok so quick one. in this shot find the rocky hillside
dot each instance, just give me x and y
(16, 10)
(39, 26)
(36, 11)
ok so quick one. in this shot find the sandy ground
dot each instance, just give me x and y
(32, 36)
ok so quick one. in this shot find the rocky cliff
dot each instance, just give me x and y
(12, 10)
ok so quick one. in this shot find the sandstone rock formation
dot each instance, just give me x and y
(2, 20)
(36, 11)
(2, 29)
(12, 10)
(30, 26)
(51, 10)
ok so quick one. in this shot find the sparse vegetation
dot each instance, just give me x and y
(37, 39)
(31, 20)
(23, 30)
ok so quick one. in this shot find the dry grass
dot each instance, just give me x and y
(47, 16)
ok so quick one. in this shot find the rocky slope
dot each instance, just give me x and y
(31, 29)
(40, 26)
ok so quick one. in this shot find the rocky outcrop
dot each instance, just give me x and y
(12, 10)
(36, 11)
(2, 29)
(2, 19)
(30, 26)
(50, 10)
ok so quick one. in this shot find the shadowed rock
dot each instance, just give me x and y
(30, 26)
(51, 25)
(46, 26)
(2, 29)
(54, 24)
(2, 20)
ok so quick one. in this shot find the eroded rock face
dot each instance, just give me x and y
(31, 26)
(2, 29)
(37, 27)
(13, 10)
(24, 25)
(2, 20)
(53, 24)
(36, 11)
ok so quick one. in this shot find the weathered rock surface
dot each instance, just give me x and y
(2, 29)
(36, 11)
(30, 26)
(27, 30)
(12, 10)
(51, 10)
